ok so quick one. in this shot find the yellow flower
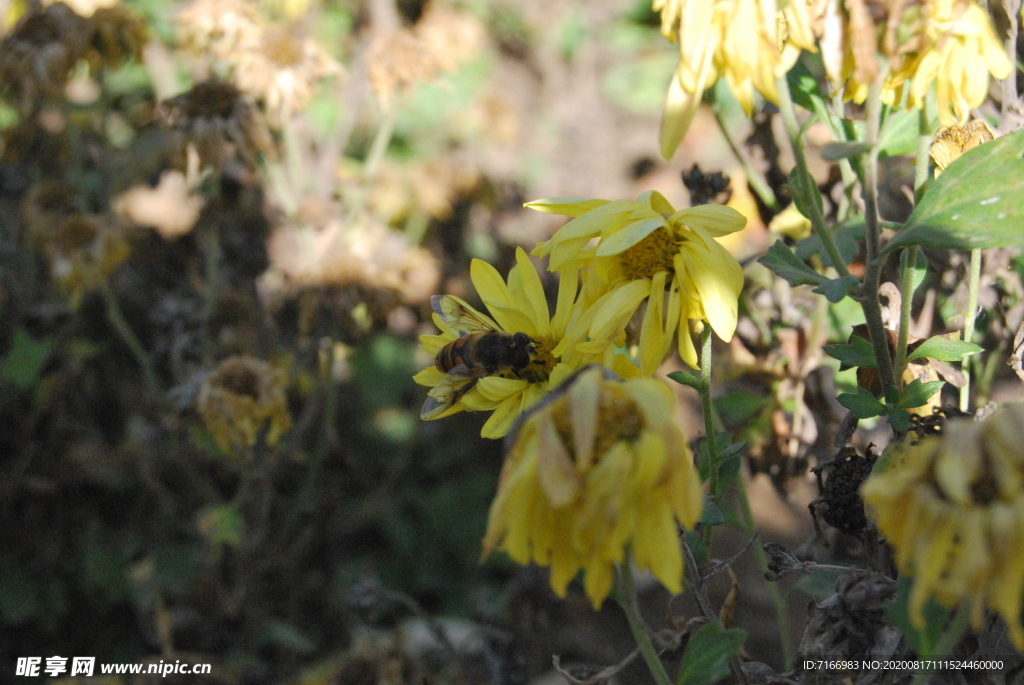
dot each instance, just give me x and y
(600, 467)
(647, 250)
(238, 398)
(747, 42)
(952, 508)
(518, 306)
(949, 42)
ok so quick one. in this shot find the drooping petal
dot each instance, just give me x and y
(567, 206)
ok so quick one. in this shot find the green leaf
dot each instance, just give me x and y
(917, 394)
(25, 360)
(805, 91)
(684, 378)
(706, 660)
(858, 353)
(923, 639)
(975, 203)
(836, 289)
(782, 262)
(221, 523)
(862, 403)
(802, 187)
(899, 420)
(712, 515)
(944, 349)
(899, 133)
(846, 236)
(833, 152)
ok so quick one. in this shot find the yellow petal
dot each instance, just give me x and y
(680, 108)
(488, 282)
(568, 282)
(716, 220)
(614, 310)
(584, 396)
(533, 293)
(655, 201)
(498, 388)
(629, 236)
(567, 206)
(558, 477)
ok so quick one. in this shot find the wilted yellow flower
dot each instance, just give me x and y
(953, 141)
(241, 396)
(601, 467)
(518, 306)
(952, 508)
(647, 250)
(747, 42)
(950, 43)
(83, 252)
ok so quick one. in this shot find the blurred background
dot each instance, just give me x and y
(221, 222)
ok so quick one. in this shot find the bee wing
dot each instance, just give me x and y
(452, 388)
(459, 316)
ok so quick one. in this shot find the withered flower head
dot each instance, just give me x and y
(118, 36)
(219, 28)
(39, 53)
(217, 121)
(952, 141)
(239, 398)
(283, 72)
(952, 507)
(83, 252)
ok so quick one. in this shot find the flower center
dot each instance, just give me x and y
(541, 362)
(652, 254)
(618, 420)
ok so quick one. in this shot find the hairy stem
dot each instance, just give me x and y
(706, 345)
(631, 607)
(972, 311)
(873, 272)
(807, 189)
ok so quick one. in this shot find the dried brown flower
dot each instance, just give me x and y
(241, 397)
(217, 121)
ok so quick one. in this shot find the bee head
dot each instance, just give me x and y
(522, 347)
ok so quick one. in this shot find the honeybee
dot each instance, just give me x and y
(481, 350)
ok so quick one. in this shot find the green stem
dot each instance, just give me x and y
(846, 171)
(873, 272)
(124, 330)
(706, 345)
(754, 179)
(972, 310)
(806, 185)
(628, 599)
(952, 635)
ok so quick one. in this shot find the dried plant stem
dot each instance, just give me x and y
(972, 311)
(807, 189)
(754, 179)
(872, 275)
(631, 607)
(124, 330)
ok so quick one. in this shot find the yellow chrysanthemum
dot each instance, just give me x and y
(647, 250)
(952, 507)
(747, 42)
(518, 306)
(949, 42)
(600, 467)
